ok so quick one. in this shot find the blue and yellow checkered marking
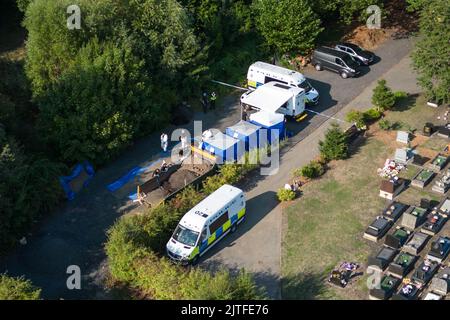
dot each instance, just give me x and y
(218, 233)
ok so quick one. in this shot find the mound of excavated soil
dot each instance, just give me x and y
(367, 38)
(179, 179)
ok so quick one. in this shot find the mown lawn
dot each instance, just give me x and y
(412, 113)
(325, 226)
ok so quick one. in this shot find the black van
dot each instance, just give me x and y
(335, 60)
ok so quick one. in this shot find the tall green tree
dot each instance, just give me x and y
(101, 86)
(344, 11)
(335, 144)
(100, 104)
(289, 26)
(21, 176)
(431, 56)
(383, 98)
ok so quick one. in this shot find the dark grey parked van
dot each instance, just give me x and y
(335, 60)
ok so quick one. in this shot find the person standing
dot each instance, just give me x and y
(213, 100)
(183, 139)
(164, 142)
(204, 101)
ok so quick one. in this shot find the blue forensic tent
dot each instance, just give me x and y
(79, 169)
(272, 122)
(247, 132)
(225, 148)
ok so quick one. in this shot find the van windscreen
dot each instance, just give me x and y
(349, 61)
(185, 236)
(305, 85)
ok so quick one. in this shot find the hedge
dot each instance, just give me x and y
(17, 289)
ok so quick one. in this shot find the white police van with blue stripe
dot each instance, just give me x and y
(206, 224)
(260, 73)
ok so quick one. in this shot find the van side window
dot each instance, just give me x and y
(218, 223)
(339, 62)
(270, 79)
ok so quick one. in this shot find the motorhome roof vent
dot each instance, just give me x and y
(282, 86)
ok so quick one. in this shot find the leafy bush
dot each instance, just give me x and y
(346, 11)
(99, 106)
(289, 26)
(21, 176)
(385, 124)
(17, 289)
(372, 114)
(383, 97)
(101, 87)
(285, 194)
(400, 95)
(313, 170)
(356, 117)
(335, 145)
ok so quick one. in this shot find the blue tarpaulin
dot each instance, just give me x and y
(79, 168)
(116, 185)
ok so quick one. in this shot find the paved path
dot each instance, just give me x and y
(257, 243)
(75, 233)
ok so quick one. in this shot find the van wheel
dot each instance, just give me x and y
(318, 67)
(344, 75)
(233, 228)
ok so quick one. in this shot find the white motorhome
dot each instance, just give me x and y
(260, 73)
(276, 97)
(207, 223)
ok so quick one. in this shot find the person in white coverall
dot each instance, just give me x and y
(164, 142)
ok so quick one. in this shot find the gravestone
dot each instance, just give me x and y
(401, 156)
(403, 137)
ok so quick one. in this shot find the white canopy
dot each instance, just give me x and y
(270, 97)
(267, 119)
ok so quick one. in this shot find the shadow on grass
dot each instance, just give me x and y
(406, 103)
(304, 286)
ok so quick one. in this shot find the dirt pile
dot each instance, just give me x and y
(179, 179)
(367, 38)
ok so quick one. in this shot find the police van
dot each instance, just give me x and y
(205, 224)
(260, 73)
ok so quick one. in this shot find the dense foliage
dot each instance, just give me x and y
(432, 52)
(284, 194)
(312, 170)
(383, 98)
(335, 144)
(289, 26)
(100, 87)
(17, 289)
(28, 180)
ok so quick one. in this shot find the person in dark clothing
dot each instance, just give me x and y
(213, 100)
(204, 101)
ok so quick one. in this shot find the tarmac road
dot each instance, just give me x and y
(74, 234)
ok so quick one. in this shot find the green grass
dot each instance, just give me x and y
(411, 114)
(326, 225)
(436, 143)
